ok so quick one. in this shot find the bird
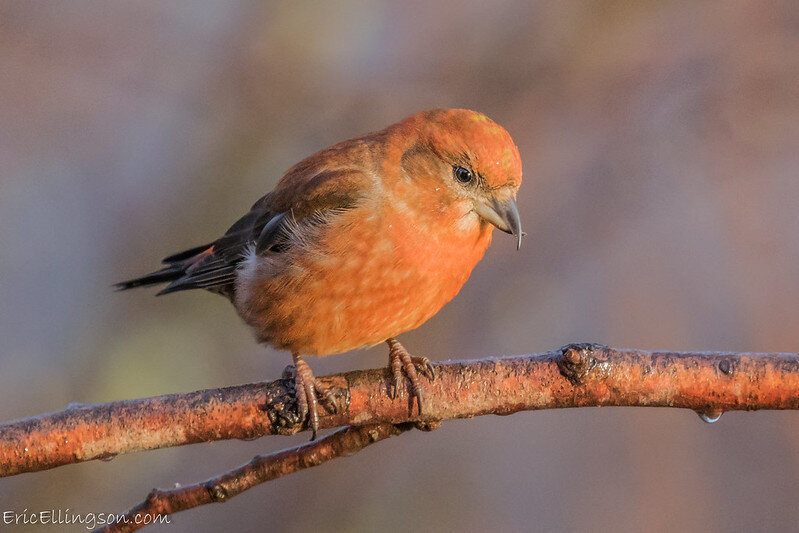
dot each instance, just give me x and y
(360, 242)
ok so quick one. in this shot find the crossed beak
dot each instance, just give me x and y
(504, 215)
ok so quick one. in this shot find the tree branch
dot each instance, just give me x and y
(574, 376)
(160, 503)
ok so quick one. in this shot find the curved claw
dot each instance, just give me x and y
(307, 404)
(326, 397)
(427, 369)
(395, 367)
(310, 393)
(402, 364)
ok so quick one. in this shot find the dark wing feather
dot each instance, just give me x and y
(214, 268)
(186, 254)
(269, 239)
(219, 280)
(308, 188)
(166, 274)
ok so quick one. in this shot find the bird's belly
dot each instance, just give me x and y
(351, 293)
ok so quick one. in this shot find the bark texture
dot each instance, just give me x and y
(577, 375)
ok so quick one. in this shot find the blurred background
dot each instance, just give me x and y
(660, 143)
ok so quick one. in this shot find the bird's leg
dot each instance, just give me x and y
(310, 392)
(401, 362)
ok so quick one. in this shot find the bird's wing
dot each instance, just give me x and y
(300, 194)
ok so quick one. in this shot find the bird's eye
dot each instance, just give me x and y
(462, 175)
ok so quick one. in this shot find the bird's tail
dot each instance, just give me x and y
(164, 275)
(176, 269)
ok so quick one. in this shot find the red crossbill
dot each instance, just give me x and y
(362, 241)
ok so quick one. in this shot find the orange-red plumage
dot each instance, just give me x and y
(364, 240)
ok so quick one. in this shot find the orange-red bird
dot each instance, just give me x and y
(362, 241)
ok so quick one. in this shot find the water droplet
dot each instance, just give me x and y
(710, 416)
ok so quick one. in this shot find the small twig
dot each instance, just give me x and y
(579, 375)
(160, 503)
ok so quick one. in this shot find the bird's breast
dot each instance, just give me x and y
(366, 275)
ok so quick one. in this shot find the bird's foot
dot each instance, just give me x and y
(401, 364)
(310, 394)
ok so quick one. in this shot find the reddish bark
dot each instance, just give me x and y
(575, 376)
(342, 443)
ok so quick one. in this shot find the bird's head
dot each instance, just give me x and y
(463, 165)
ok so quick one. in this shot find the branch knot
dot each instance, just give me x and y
(216, 491)
(577, 359)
